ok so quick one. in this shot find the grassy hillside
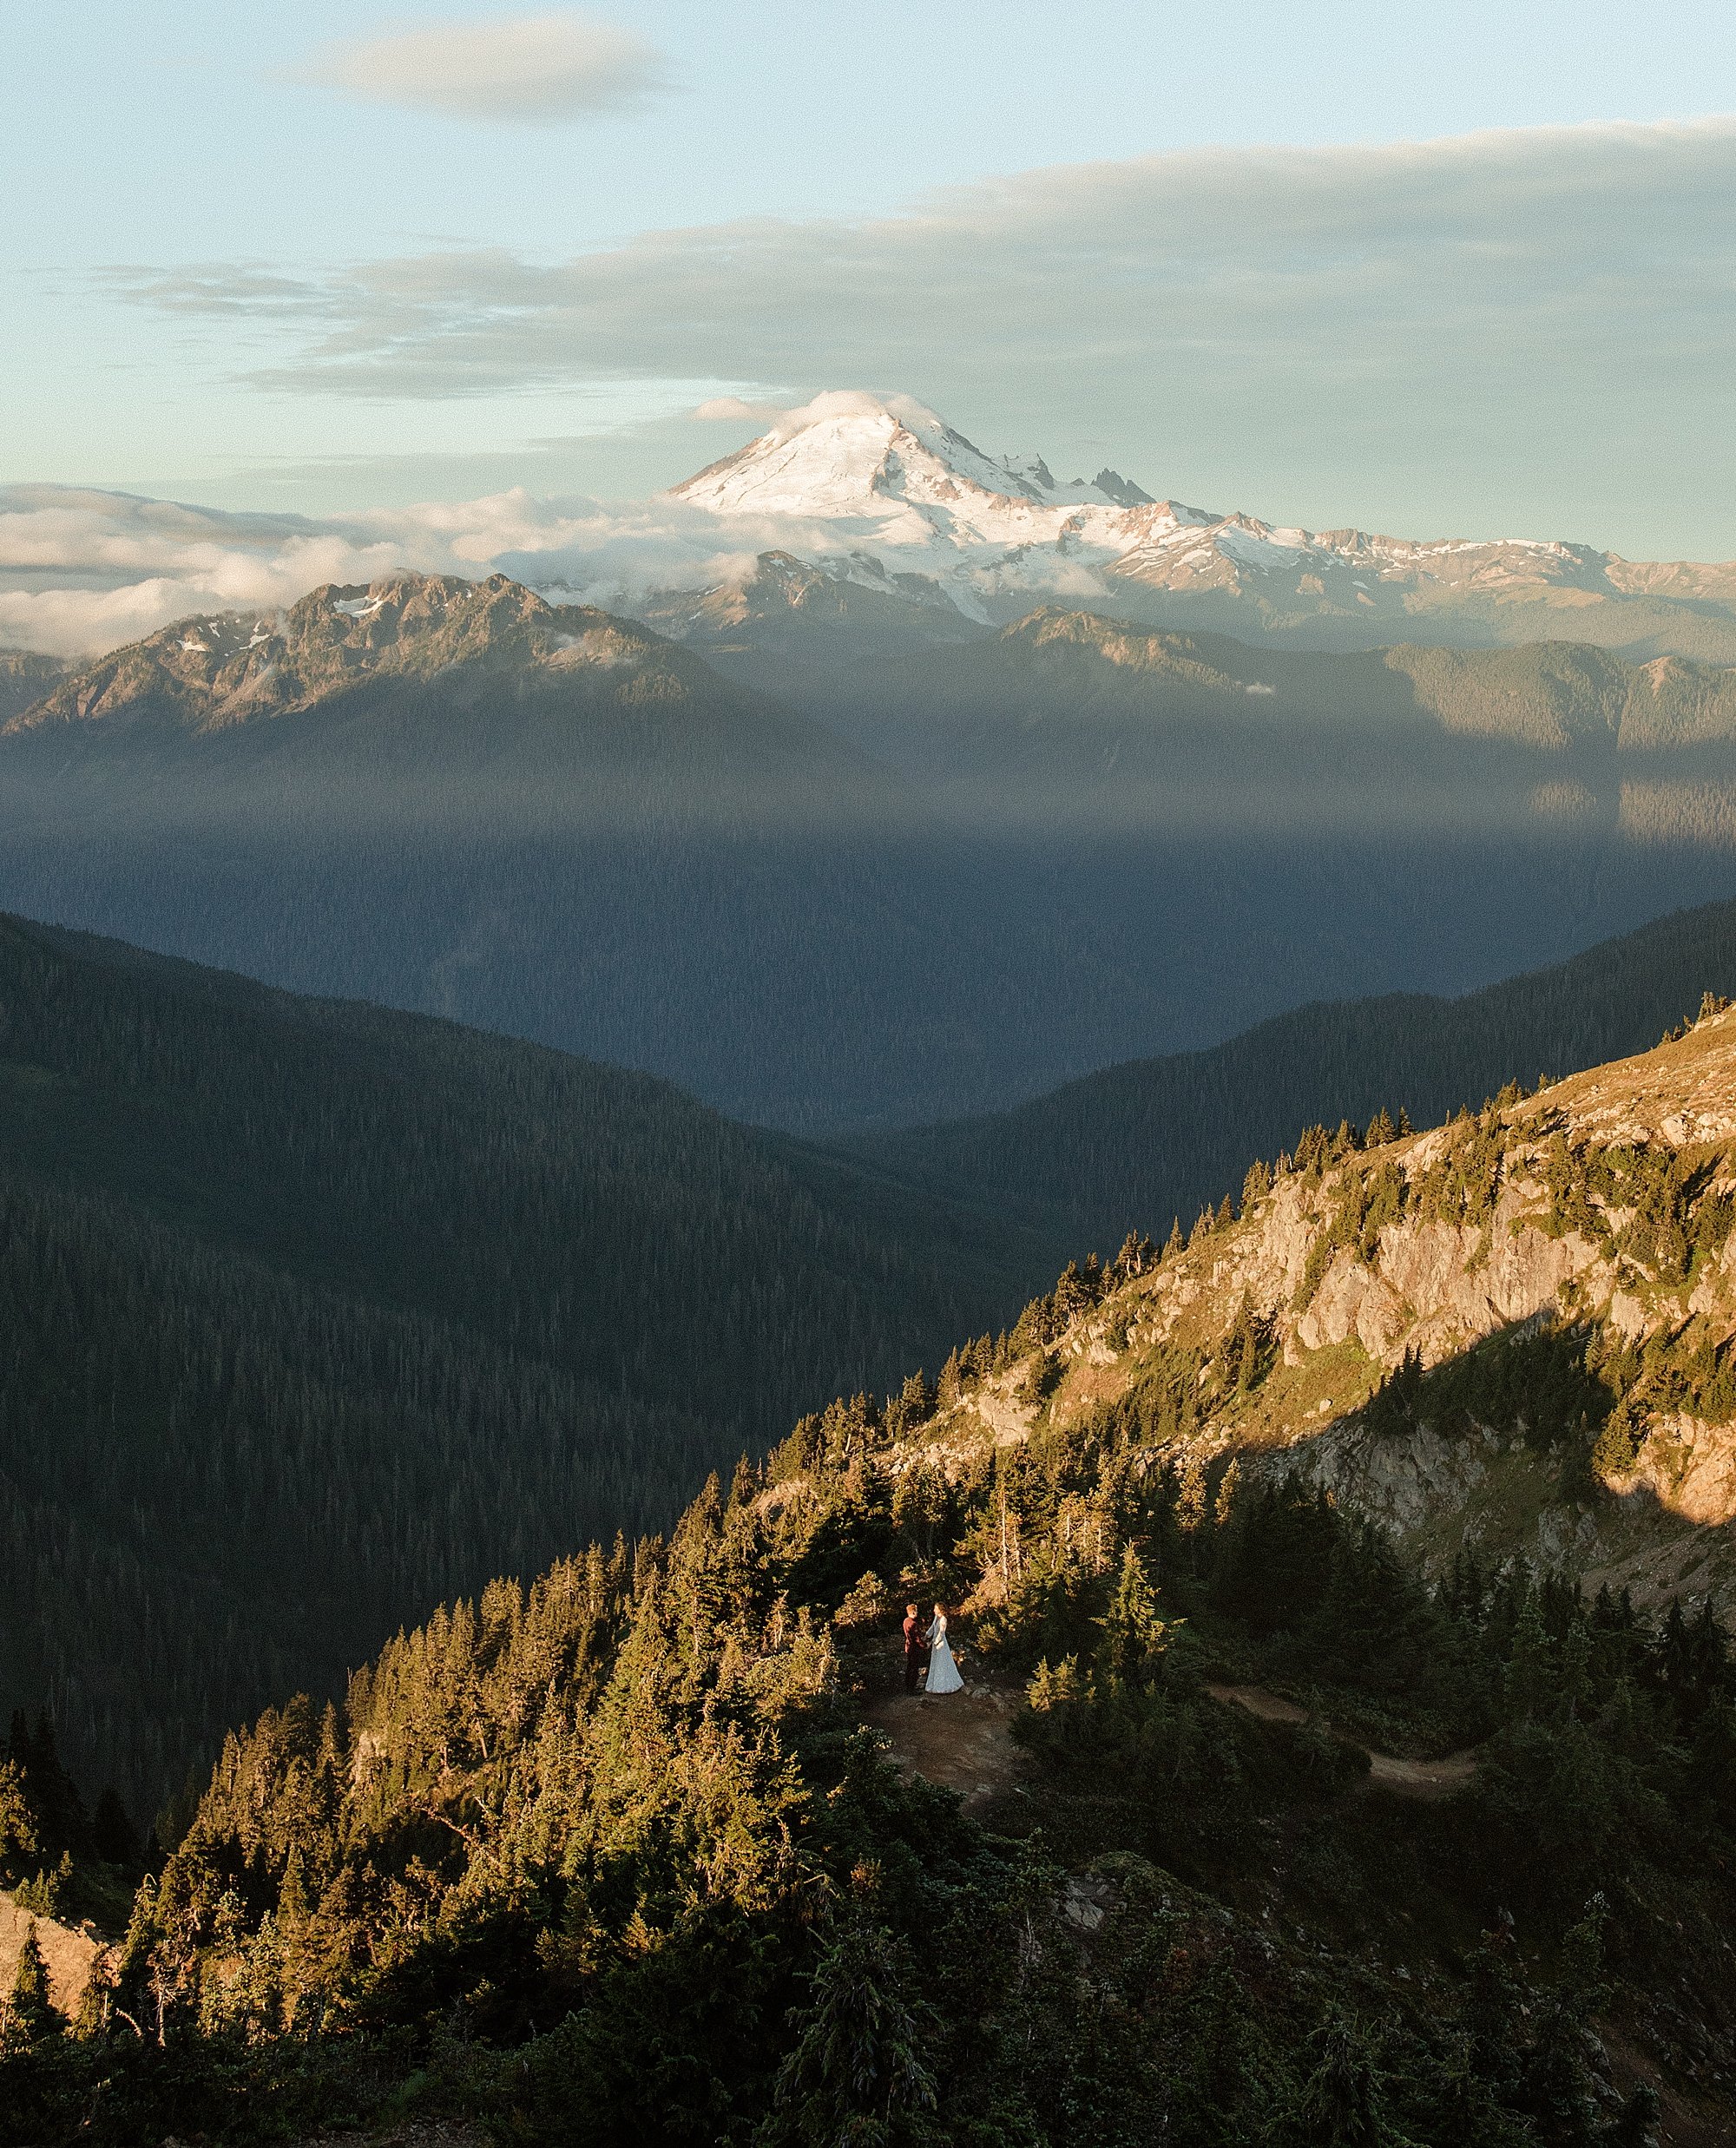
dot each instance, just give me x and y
(1131, 1147)
(315, 1313)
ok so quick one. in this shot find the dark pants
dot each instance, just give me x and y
(916, 1661)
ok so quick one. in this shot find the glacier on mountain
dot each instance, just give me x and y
(878, 491)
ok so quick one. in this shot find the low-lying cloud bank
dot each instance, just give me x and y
(83, 571)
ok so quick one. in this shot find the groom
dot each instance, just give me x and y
(916, 1647)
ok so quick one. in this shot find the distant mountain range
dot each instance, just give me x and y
(885, 501)
(936, 882)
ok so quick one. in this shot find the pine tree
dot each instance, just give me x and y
(1639, 2122)
(18, 1836)
(1229, 1484)
(1529, 1681)
(856, 2077)
(1191, 1495)
(32, 2017)
(1133, 1629)
(1343, 2103)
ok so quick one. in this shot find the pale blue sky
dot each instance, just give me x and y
(230, 280)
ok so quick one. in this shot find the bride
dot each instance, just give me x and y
(943, 1672)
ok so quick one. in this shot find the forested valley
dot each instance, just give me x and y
(942, 885)
(317, 1314)
(624, 1855)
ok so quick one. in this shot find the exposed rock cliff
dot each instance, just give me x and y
(1512, 1333)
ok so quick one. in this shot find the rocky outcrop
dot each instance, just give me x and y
(1598, 1214)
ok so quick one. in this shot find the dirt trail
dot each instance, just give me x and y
(965, 1742)
(1409, 1778)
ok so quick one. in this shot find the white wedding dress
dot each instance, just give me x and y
(943, 1672)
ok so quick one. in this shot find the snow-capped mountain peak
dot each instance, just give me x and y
(852, 455)
(879, 491)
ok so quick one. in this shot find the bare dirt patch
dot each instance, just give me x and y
(68, 1955)
(1409, 1778)
(963, 1741)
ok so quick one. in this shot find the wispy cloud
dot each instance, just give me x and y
(1549, 241)
(1555, 306)
(539, 69)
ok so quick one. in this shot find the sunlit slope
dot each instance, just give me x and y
(1515, 1333)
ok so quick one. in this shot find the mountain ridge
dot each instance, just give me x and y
(1131, 1146)
(878, 491)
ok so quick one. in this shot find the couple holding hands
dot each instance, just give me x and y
(926, 1649)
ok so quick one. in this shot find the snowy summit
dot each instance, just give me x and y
(878, 488)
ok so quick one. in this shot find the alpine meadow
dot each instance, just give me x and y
(867, 1077)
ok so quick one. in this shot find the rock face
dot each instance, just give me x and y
(1514, 1334)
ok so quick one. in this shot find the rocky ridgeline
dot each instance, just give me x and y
(229, 667)
(1512, 1333)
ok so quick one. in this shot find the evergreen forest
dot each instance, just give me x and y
(613, 1857)
(315, 1315)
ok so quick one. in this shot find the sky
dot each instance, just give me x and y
(1463, 271)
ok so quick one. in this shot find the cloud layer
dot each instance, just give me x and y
(543, 69)
(1552, 309)
(83, 571)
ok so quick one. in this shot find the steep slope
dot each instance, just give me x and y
(459, 798)
(1511, 1333)
(315, 1312)
(1349, 1777)
(24, 679)
(1139, 1144)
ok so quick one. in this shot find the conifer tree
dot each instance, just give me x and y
(1343, 2103)
(856, 2077)
(32, 2017)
